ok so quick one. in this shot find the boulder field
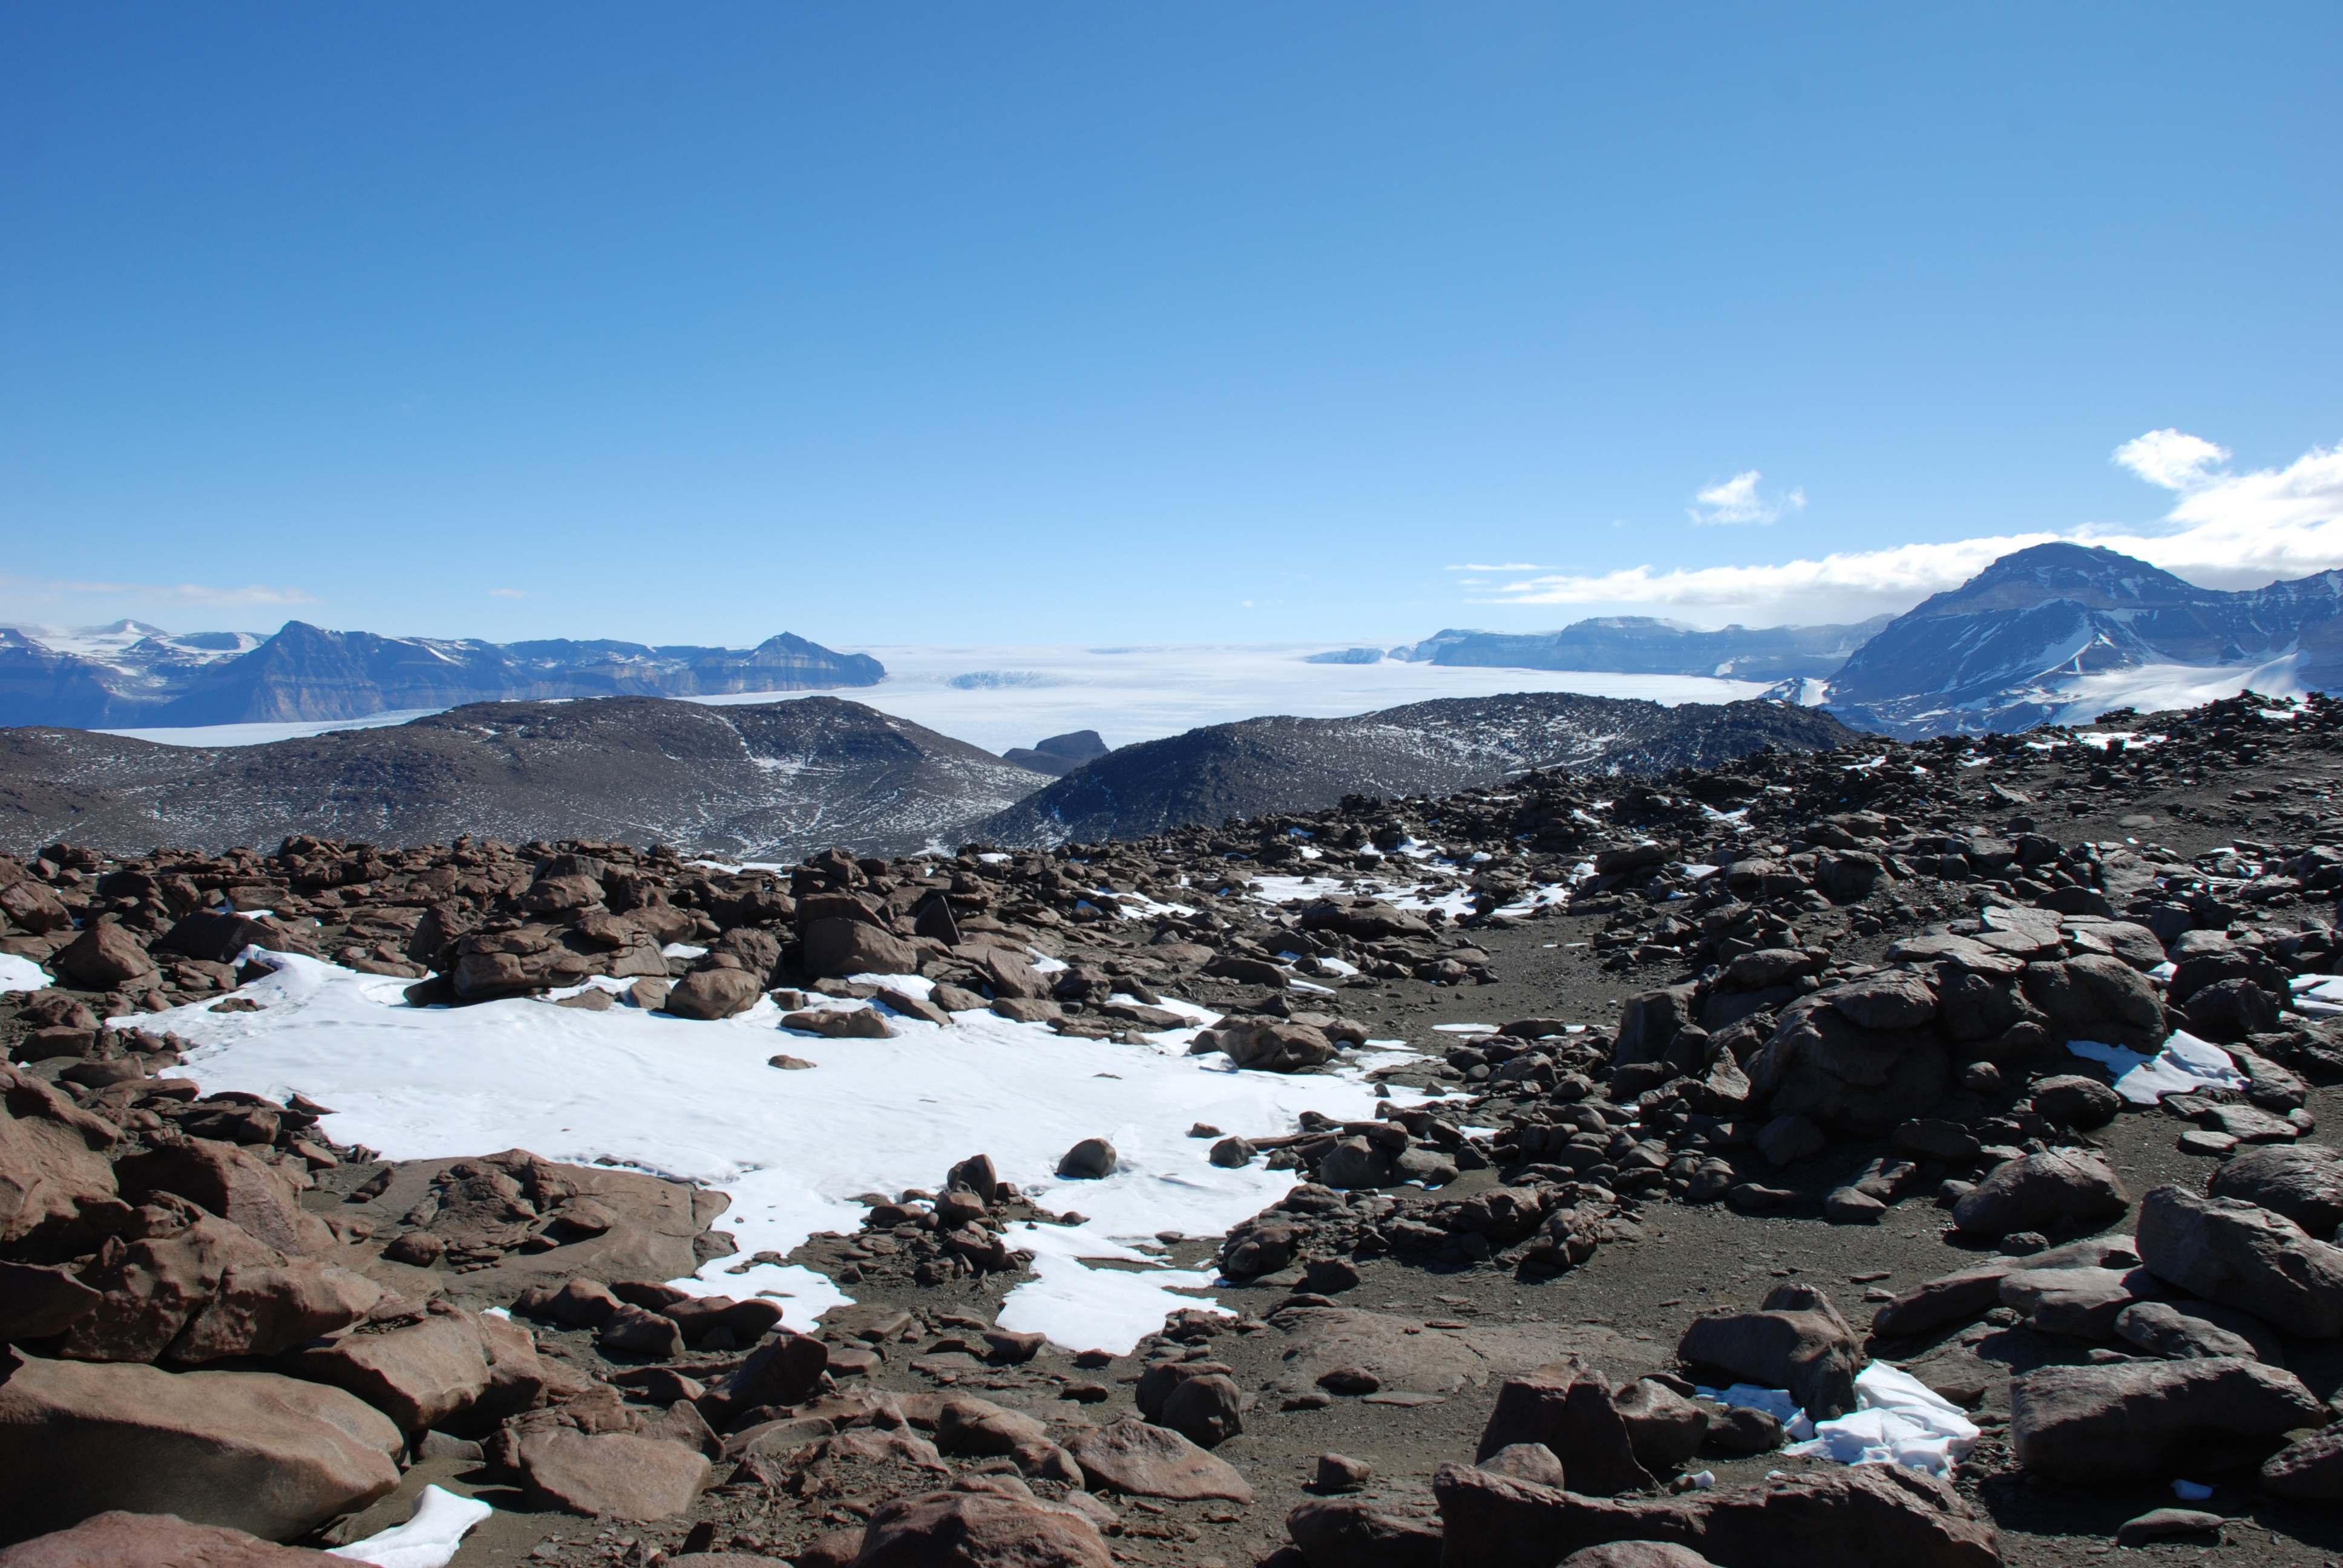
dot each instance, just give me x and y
(1766, 1075)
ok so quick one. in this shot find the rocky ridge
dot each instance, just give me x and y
(1271, 765)
(756, 780)
(1845, 982)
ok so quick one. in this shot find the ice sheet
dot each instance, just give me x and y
(1002, 697)
(2185, 1064)
(696, 1100)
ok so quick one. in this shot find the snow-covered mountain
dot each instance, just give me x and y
(2060, 632)
(1642, 645)
(130, 673)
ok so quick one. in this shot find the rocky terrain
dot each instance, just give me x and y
(1757, 1073)
(758, 780)
(132, 675)
(1281, 764)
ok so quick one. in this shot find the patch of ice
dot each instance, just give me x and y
(1897, 1419)
(19, 973)
(429, 1537)
(2183, 1065)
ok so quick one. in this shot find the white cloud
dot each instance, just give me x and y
(2170, 459)
(1737, 500)
(507, 593)
(2224, 530)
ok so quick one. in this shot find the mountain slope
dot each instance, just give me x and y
(764, 781)
(131, 674)
(2015, 646)
(1641, 645)
(1283, 764)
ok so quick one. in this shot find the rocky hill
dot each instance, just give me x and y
(2006, 650)
(1283, 764)
(760, 780)
(131, 674)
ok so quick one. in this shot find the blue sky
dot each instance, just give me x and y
(1060, 322)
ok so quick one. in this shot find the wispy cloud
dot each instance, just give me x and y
(173, 593)
(1496, 567)
(2224, 530)
(1738, 500)
(507, 593)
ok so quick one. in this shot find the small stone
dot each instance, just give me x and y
(1338, 1472)
(2212, 1145)
(788, 1063)
(2163, 1523)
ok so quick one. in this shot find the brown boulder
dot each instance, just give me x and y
(1795, 1339)
(2140, 1420)
(420, 1375)
(103, 957)
(252, 1451)
(1636, 1554)
(260, 1310)
(1856, 1517)
(120, 1540)
(834, 948)
(1569, 1411)
(978, 1530)
(2243, 1256)
(1352, 1533)
(36, 1302)
(1145, 1461)
(52, 1165)
(708, 994)
(234, 1183)
(638, 1479)
(151, 1289)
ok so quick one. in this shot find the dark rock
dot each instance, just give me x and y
(2164, 1523)
(2245, 1257)
(2198, 1331)
(2303, 1182)
(1352, 1532)
(1091, 1160)
(1569, 1411)
(967, 1529)
(249, 1451)
(2074, 1100)
(2134, 1420)
(2309, 1470)
(2040, 1191)
(1854, 1517)
(124, 1540)
(1794, 1340)
(1144, 1461)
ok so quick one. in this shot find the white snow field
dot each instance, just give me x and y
(999, 697)
(697, 1100)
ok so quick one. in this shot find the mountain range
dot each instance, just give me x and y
(2026, 640)
(130, 673)
(1641, 645)
(2051, 634)
(778, 780)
